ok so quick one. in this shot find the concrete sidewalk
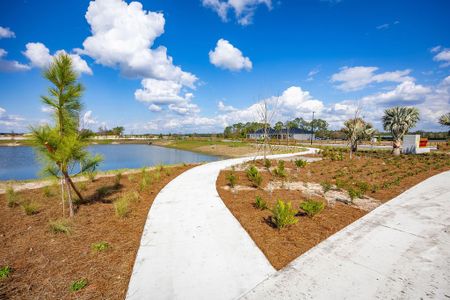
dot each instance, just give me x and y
(401, 250)
(192, 246)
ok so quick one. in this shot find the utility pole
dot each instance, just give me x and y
(312, 128)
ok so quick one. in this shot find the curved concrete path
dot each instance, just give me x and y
(192, 247)
(401, 250)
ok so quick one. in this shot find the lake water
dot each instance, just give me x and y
(19, 163)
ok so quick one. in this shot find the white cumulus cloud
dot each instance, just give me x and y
(226, 56)
(122, 36)
(244, 10)
(40, 57)
(442, 55)
(10, 65)
(357, 78)
(5, 32)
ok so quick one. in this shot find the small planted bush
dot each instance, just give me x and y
(78, 285)
(254, 176)
(326, 186)
(117, 179)
(60, 226)
(5, 271)
(312, 207)
(300, 163)
(47, 190)
(30, 208)
(122, 206)
(354, 193)
(260, 203)
(11, 197)
(146, 180)
(267, 163)
(231, 178)
(280, 171)
(283, 214)
(100, 246)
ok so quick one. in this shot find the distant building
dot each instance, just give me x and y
(294, 134)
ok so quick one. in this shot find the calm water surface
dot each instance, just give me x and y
(20, 163)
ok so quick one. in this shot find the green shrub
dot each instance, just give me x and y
(326, 186)
(122, 206)
(231, 178)
(354, 193)
(363, 187)
(4, 272)
(30, 208)
(11, 197)
(131, 178)
(300, 163)
(60, 226)
(157, 176)
(117, 179)
(260, 203)
(283, 214)
(146, 180)
(267, 163)
(47, 191)
(254, 176)
(78, 285)
(280, 170)
(100, 246)
(312, 207)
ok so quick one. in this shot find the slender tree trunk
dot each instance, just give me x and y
(74, 187)
(69, 194)
(396, 147)
(62, 197)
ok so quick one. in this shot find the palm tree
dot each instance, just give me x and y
(398, 120)
(62, 147)
(356, 130)
(444, 120)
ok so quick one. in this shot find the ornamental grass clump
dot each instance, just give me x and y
(30, 208)
(283, 215)
(300, 163)
(231, 178)
(60, 226)
(117, 179)
(267, 163)
(280, 171)
(254, 176)
(260, 203)
(122, 206)
(12, 199)
(312, 207)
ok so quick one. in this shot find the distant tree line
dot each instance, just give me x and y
(241, 130)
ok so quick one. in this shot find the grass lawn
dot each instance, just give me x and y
(346, 188)
(88, 257)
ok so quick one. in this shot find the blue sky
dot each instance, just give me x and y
(199, 65)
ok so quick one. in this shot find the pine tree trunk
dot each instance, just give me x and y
(62, 197)
(70, 199)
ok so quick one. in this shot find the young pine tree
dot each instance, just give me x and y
(62, 147)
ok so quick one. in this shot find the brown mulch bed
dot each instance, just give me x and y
(384, 175)
(45, 264)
